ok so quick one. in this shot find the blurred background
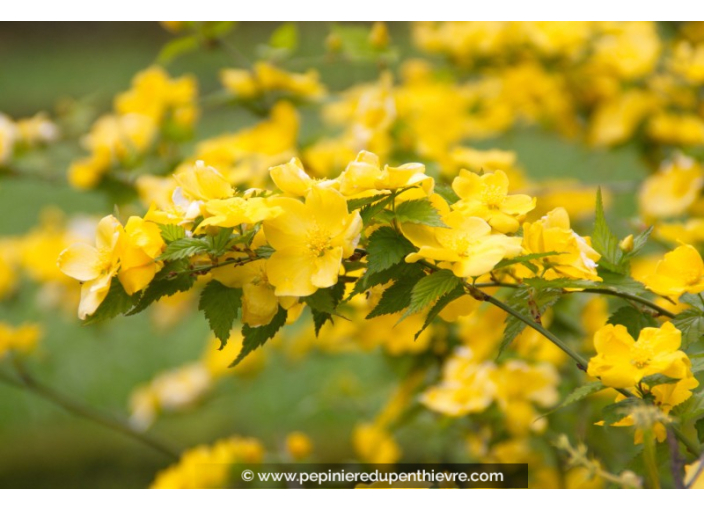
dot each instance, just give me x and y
(41, 445)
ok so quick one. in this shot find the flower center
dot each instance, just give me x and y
(641, 356)
(492, 195)
(318, 240)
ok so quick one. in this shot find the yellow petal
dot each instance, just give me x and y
(80, 261)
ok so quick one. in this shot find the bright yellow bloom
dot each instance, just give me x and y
(518, 387)
(374, 445)
(293, 180)
(379, 36)
(676, 129)
(467, 386)
(298, 445)
(94, 266)
(235, 211)
(672, 190)
(621, 362)
(552, 233)
(140, 246)
(467, 243)
(268, 78)
(259, 300)
(208, 467)
(680, 271)
(155, 94)
(486, 196)
(21, 339)
(310, 240)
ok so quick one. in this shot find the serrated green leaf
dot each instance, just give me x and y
(185, 248)
(398, 271)
(614, 413)
(221, 305)
(116, 302)
(357, 203)
(220, 242)
(604, 241)
(171, 279)
(371, 212)
(658, 380)
(694, 300)
(522, 301)
(386, 248)
(171, 233)
(256, 337)
(634, 320)
(265, 251)
(639, 242)
(691, 323)
(522, 259)
(431, 288)
(419, 211)
(395, 298)
(438, 307)
(580, 394)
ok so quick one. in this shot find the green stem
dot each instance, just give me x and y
(650, 460)
(610, 292)
(29, 383)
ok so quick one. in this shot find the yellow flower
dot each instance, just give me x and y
(141, 245)
(486, 196)
(208, 467)
(621, 362)
(468, 386)
(232, 212)
(467, 244)
(21, 339)
(293, 180)
(200, 182)
(374, 445)
(298, 445)
(680, 271)
(672, 190)
(379, 36)
(259, 300)
(552, 233)
(310, 240)
(94, 266)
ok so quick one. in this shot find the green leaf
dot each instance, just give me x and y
(522, 259)
(399, 271)
(633, 319)
(116, 302)
(697, 362)
(178, 47)
(171, 233)
(604, 241)
(171, 279)
(694, 300)
(370, 212)
(657, 380)
(691, 324)
(285, 37)
(419, 211)
(265, 251)
(386, 248)
(438, 307)
(395, 298)
(220, 242)
(446, 192)
(526, 301)
(639, 242)
(356, 45)
(614, 413)
(185, 248)
(220, 304)
(431, 288)
(358, 203)
(580, 394)
(256, 337)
